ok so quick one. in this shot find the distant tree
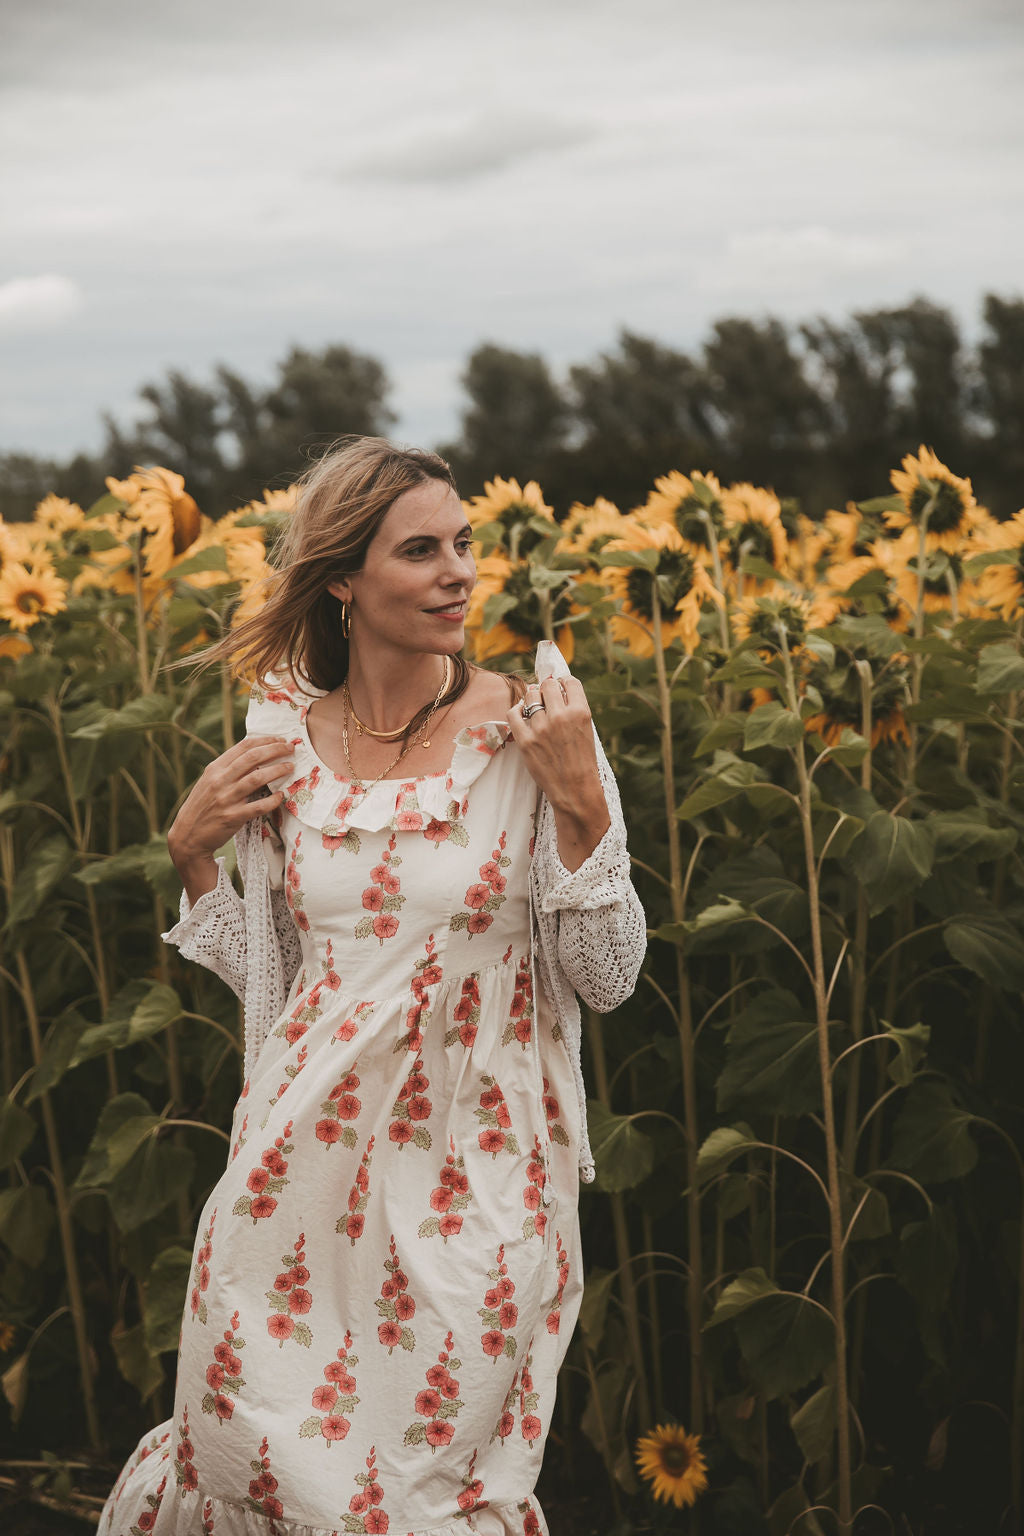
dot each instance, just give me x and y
(999, 401)
(638, 412)
(515, 422)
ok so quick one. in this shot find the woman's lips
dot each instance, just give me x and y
(455, 616)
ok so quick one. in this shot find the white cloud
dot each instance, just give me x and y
(37, 303)
(479, 145)
(779, 259)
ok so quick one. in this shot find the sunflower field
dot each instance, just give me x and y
(803, 1310)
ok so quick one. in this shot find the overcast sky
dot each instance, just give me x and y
(214, 180)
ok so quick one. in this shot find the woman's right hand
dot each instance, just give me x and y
(218, 804)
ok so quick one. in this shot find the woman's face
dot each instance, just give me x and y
(413, 590)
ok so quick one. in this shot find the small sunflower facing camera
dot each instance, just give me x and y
(671, 1461)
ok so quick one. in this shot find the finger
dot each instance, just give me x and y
(552, 693)
(260, 807)
(263, 775)
(519, 727)
(575, 693)
(263, 747)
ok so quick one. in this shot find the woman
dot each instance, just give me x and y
(388, 1272)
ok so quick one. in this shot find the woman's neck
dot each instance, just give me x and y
(386, 691)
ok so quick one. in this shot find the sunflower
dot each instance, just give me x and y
(945, 588)
(8, 547)
(843, 707)
(1002, 586)
(683, 582)
(520, 625)
(513, 507)
(157, 504)
(753, 523)
(29, 592)
(933, 499)
(58, 515)
(587, 529)
(882, 559)
(671, 1461)
(692, 506)
(761, 615)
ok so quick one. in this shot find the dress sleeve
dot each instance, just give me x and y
(284, 924)
(602, 930)
(212, 932)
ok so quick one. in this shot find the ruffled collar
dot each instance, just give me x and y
(332, 803)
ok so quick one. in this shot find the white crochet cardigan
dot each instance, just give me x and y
(590, 927)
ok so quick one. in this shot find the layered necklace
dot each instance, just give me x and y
(363, 729)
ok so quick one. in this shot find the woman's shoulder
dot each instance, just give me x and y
(490, 695)
(276, 703)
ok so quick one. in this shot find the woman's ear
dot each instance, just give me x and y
(340, 589)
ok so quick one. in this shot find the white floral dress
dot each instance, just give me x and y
(388, 1272)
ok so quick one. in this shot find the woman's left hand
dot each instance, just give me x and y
(557, 743)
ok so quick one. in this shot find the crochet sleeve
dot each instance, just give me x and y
(212, 932)
(602, 930)
(284, 924)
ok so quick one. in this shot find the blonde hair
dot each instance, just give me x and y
(343, 499)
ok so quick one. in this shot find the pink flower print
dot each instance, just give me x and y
(556, 1131)
(262, 1201)
(291, 1072)
(411, 1109)
(184, 1468)
(335, 1399)
(382, 897)
(450, 1197)
(331, 979)
(147, 1519)
(499, 1313)
(395, 1306)
(428, 973)
(208, 1518)
(506, 1419)
(352, 1224)
(470, 1500)
(483, 899)
(555, 1304)
(520, 1021)
(495, 1120)
(341, 1106)
(263, 1485)
(350, 1026)
(293, 885)
(201, 1273)
(336, 833)
(529, 1400)
(290, 1300)
(466, 1013)
(438, 1403)
(240, 1143)
(224, 1374)
(533, 1194)
(301, 792)
(531, 1523)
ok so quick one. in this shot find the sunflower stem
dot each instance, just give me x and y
(695, 1281)
(835, 1205)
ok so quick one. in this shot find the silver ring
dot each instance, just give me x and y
(531, 709)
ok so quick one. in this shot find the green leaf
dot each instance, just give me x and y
(139, 1367)
(786, 1340)
(931, 1137)
(876, 504)
(142, 1008)
(496, 607)
(911, 1044)
(148, 1182)
(594, 1307)
(623, 1155)
(721, 1147)
(58, 1048)
(990, 945)
(873, 1220)
(814, 1424)
(966, 834)
(138, 714)
(151, 860)
(750, 1286)
(892, 856)
(771, 1060)
(726, 732)
(730, 779)
(166, 1289)
(114, 1114)
(16, 1131)
(770, 725)
(644, 559)
(1000, 669)
(26, 1220)
(761, 570)
(46, 866)
(213, 558)
(850, 749)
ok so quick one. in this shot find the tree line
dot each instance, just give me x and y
(817, 410)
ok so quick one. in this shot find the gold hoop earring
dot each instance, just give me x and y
(346, 621)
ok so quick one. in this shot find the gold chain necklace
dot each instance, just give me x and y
(366, 730)
(421, 736)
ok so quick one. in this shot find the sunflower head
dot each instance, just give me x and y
(663, 564)
(519, 511)
(58, 515)
(753, 519)
(935, 501)
(767, 617)
(1002, 586)
(843, 706)
(27, 593)
(587, 529)
(506, 612)
(691, 505)
(671, 1461)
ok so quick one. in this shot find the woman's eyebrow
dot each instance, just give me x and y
(432, 538)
